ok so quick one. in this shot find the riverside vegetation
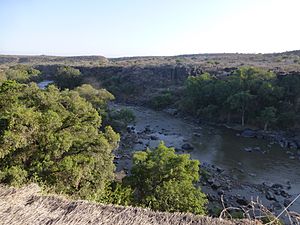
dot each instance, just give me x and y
(55, 138)
(63, 137)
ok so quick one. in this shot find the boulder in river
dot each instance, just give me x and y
(216, 185)
(270, 196)
(154, 138)
(286, 202)
(277, 186)
(187, 146)
(276, 206)
(248, 133)
(197, 135)
(242, 201)
(292, 144)
(248, 149)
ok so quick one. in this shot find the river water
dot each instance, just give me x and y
(222, 148)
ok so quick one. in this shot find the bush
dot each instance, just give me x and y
(165, 181)
(161, 101)
(120, 119)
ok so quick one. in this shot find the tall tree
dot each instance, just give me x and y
(268, 116)
(240, 102)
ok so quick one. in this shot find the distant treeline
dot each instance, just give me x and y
(249, 96)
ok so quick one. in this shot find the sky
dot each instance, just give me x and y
(115, 28)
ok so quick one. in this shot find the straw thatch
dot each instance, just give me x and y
(27, 206)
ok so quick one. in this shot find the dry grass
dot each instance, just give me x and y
(27, 206)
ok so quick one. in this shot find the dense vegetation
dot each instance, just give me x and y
(20, 73)
(52, 137)
(165, 181)
(63, 137)
(55, 138)
(67, 77)
(251, 95)
(162, 100)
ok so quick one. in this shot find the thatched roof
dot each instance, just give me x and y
(27, 206)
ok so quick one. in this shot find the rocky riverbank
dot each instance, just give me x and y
(216, 182)
(284, 139)
(235, 177)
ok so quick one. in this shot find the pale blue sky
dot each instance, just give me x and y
(148, 27)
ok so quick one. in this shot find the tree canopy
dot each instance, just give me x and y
(52, 137)
(165, 181)
(20, 73)
(68, 77)
(246, 97)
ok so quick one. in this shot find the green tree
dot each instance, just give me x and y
(268, 116)
(22, 73)
(2, 76)
(97, 97)
(119, 119)
(165, 181)
(68, 77)
(240, 102)
(53, 138)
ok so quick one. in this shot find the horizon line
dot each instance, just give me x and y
(140, 56)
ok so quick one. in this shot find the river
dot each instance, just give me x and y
(220, 147)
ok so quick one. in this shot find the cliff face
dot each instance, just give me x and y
(27, 206)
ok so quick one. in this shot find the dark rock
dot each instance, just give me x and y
(276, 206)
(277, 186)
(219, 170)
(197, 135)
(284, 194)
(267, 184)
(286, 202)
(277, 192)
(216, 185)
(241, 170)
(221, 192)
(154, 138)
(210, 181)
(283, 143)
(147, 129)
(297, 141)
(257, 149)
(128, 129)
(248, 149)
(259, 135)
(242, 201)
(292, 144)
(248, 133)
(187, 146)
(270, 196)
(172, 112)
